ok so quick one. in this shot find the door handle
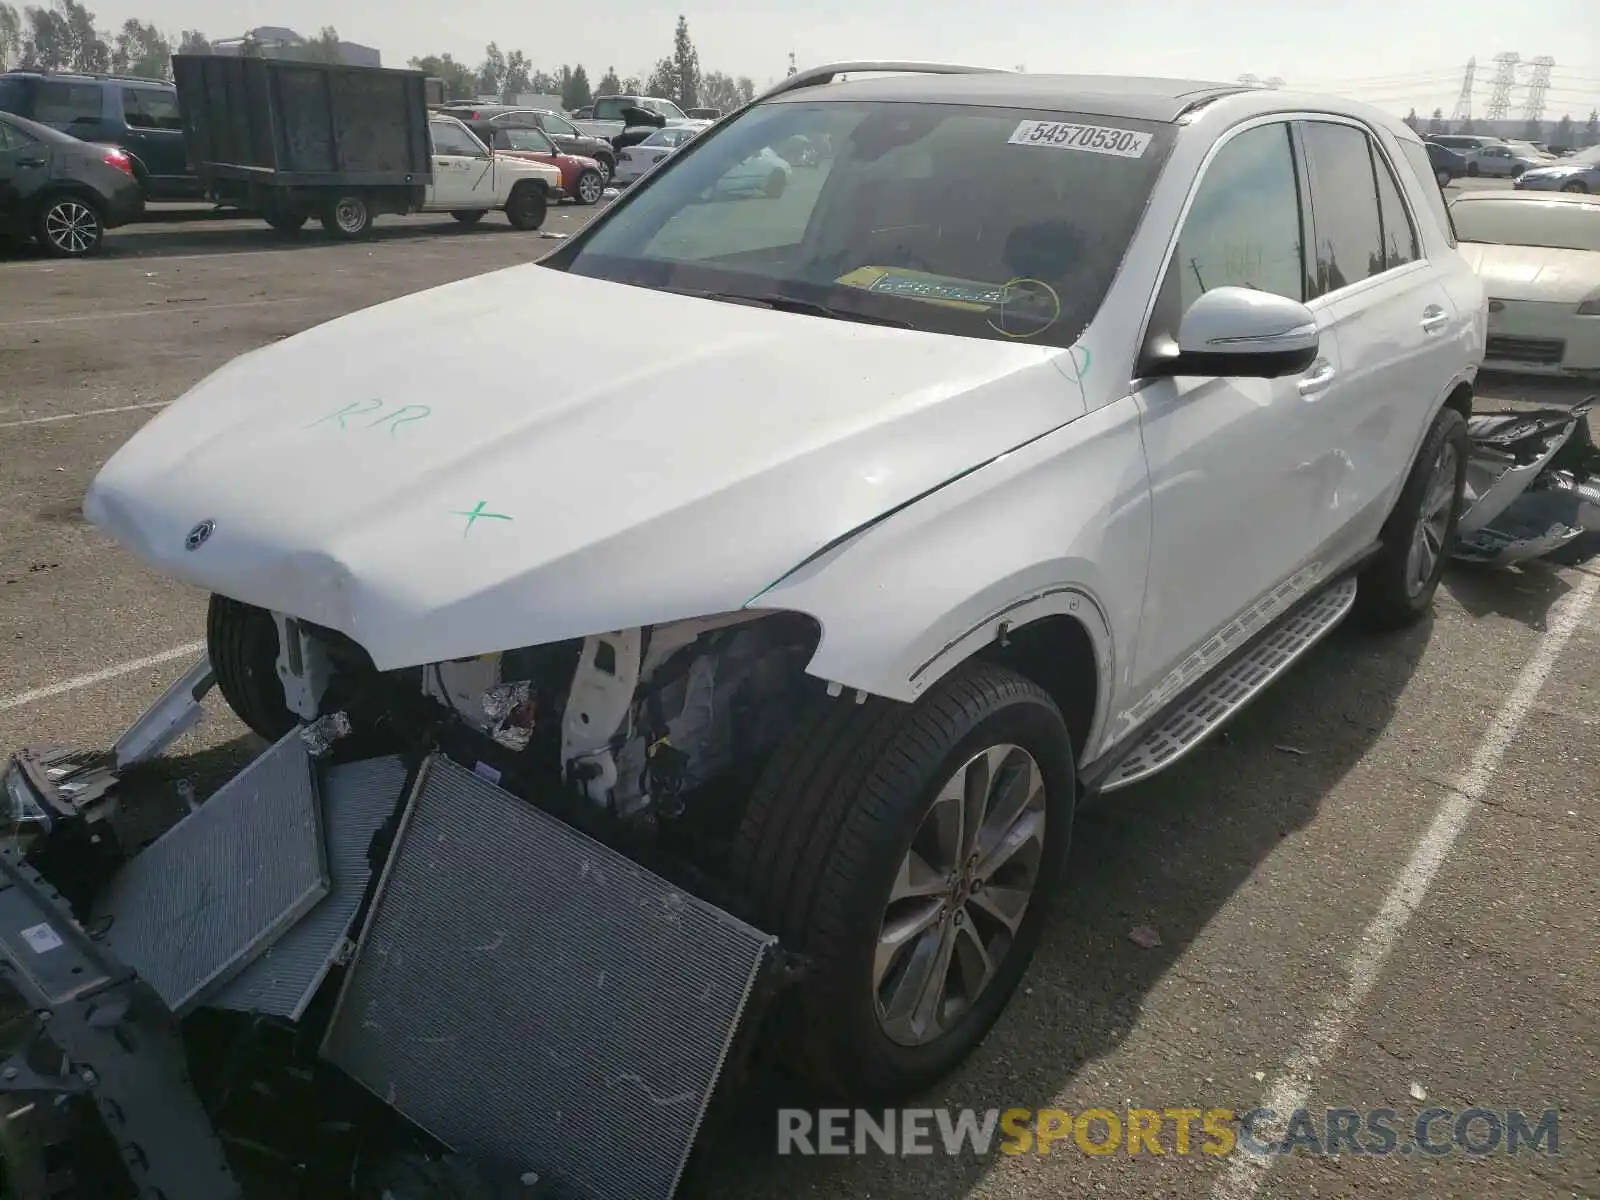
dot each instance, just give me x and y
(30, 162)
(1318, 379)
(1434, 319)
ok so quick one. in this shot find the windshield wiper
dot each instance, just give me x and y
(794, 305)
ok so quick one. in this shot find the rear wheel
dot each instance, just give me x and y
(1472, 169)
(909, 851)
(242, 643)
(348, 217)
(608, 166)
(70, 226)
(1577, 185)
(526, 207)
(1397, 587)
(590, 187)
(468, 216)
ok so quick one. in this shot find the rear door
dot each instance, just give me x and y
(76, 107)
(24, 168)
(1397, 327)
(155, 137)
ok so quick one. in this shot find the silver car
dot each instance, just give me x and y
(1578, 173)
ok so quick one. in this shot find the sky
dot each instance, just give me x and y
(1398, 54)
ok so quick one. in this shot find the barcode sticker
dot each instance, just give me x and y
(1092, 139)
(42, 938)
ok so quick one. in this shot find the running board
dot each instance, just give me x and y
(1186, 726)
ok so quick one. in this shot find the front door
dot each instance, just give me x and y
(463, 176)
(155, 137)
(1238, 467)
(1395, 323)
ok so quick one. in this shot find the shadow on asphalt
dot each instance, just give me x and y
(1168, 854)
(1523, 593)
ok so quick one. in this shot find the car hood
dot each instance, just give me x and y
(1534, 272)
(530, 456)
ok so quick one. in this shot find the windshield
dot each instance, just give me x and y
(985, 222)
(1551, 223)
(1526, 148)
(1589, 157)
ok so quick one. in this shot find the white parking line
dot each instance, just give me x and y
(168, 310)
(1289, 1087)
(187, 650)
(93, 412)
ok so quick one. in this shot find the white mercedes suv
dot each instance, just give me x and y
(1035, 427)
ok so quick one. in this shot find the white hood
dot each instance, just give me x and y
(658, 457)
(1534, 272)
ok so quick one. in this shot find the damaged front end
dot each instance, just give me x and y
(482, 897)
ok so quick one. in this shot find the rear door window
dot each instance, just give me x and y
(60, 104)
(14, 97)
(1344, 206)
(151, 108)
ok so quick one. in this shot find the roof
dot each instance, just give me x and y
(1140, 97)
(83, 76)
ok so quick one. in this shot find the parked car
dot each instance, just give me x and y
(469, 181)
(704, 114)
(582, 179)
(990, 476)
(1578, 172)
(636, 160)
(610, 119)
(138, 116)
(1539, 258)
(569, 139)
(761, 174)
(61, 192)
(1448, 164)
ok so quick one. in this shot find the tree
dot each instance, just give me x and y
(793, 70)
(142, 50)
(575, 91)
(685, 67)
(1469, 126)
(10, 36)
(323, 48)
(1592, 129)
(1533, 130)
(720, 91)
(1413, 120)
(460, 81)
(609, 84)
(492, 71)
(192, 41)
(663, 81)
(519, 77)
(1564, 131)
(630, 87)
(747, 89)
(1436, 123)
(63, 38)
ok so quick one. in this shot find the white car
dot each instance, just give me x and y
(1538, 254)
(470, 181)
(636, 160)
(989, 476)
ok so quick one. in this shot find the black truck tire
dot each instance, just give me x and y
(526, 207)
(348, 216)
(828, 837)
(242, 643)
(1394, 589)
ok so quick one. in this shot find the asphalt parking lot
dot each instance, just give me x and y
(1377, 891)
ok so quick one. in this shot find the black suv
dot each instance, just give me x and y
(569, 139)
(139, 116)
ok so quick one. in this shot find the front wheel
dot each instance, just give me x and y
(1472, 170)
(526, 208)
(910, 851)
(348, 217)
(1397, 587)
(242, 643)
(70, 226)
(591, 186)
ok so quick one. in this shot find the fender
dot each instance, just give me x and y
(1060, 526)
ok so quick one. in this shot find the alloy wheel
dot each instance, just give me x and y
(1433, 522)
(590, 187)
(960, 895)
(72, 227)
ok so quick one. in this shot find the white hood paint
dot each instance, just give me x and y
(1534, 272)
(659, 457)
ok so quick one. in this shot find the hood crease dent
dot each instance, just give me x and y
(452, 473)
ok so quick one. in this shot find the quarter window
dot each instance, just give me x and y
(148, 108)
(1344, 206)
(1244, 227)
(1422, 168)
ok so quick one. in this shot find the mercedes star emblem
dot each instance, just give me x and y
(199, 535)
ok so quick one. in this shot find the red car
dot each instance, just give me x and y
(582, 179)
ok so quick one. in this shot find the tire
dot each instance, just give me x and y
(822, 843)
(1443, 177)
(777, 182)
(591, 184)
(288, 222)
(1577, 185)
(1472, 170)
(242, 642)
(69, 225)
(608, 167)
(526, 207)
(1390, 594)
(469, 216)
(348, 217)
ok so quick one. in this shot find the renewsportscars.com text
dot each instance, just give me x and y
(1431, 1132)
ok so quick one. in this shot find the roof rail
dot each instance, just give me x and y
(812, 76)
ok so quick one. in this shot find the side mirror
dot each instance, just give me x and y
(1241, 332)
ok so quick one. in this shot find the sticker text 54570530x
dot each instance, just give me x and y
(1094, 139)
